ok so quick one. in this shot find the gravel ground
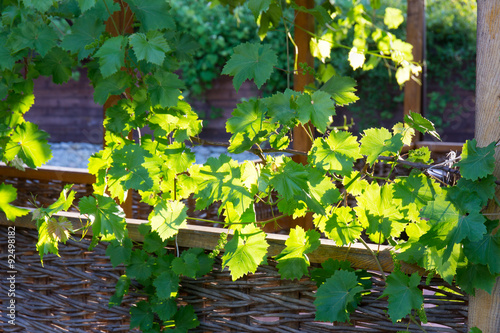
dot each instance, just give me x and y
(76, 154)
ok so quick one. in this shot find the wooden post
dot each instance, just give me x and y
(118, 24)
(484, 309)
(415, 35)
(304, 23)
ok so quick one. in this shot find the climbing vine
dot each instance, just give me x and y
(429, 218)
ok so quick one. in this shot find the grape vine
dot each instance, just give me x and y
(428, 220)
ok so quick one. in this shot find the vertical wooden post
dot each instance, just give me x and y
(119, 23)
(484, 309)
(304, 23)
(415, 35)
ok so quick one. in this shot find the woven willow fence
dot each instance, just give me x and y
(71, 293)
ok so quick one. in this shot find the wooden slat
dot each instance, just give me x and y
(68, 175)
(208, 237)
(440, 147)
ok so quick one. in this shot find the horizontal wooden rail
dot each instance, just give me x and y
(440, 147)
(67, 175)
(208, 237)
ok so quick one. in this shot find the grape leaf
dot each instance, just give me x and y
(168, 217)
(416, 121)
(342, 89)
(337, 153)
(8, 193)
(57, 63)
(257, 6)
(45, 244)
(379, 141)
(485, 251)
(30, 144)
(140, 266)
(164, 88)
(340, 226)
(128, 170)
(59, 228)
(84, 31)
(404, 294)
(121, 288)
(40, 5)
(251, 61)
(337, 297)
(185, 319)
(141, 316)
(119, 253)
(443, 261)
(475, 276)
(356, 58)
(292, 261)
(186, 265)
(108, 219)
(112, 55)
(477, 162)
(283, 107)
(165, 309)
(153, 14)
(483, 188)
(245, 251)
(86, 4)
(328, 268)
(166, 284)
(150, 47)
(111, 85)
(354, 184)
(393, 17)
(318, 108)
(33, 35)
(7, 61)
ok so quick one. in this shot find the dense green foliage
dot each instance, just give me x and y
(432, 223)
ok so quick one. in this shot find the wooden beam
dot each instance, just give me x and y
(484, 308)
(208, 238)
(67, 175)
(415, 35)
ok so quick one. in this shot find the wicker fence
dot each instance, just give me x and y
(71, 293)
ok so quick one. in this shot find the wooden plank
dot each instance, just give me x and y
(208, 238)
(415, 35)
(484, 308)
(68, 175)
(440, 147)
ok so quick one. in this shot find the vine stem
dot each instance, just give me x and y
(418, 324)
(374, 257)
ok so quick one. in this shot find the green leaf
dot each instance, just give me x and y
(477, 162)
(354, 184)
(111, 85)
(292, 261)
(119, 253)
(257, 6)
(251, 61)
(40, 5)
(165, 309)
(318, 109)
(32, 35)
(30, 144)
(57, 63)
(153, 14)
(121, 289)
(185, 319)
(140, 266)
(416, 121)
(328, 268)
(45, 244)
(283, 107)
(86, 4)
(245, 251)
(192, 263)
(475, 276)
(112, 55)
(141, 316)
(485, 251)
(151, 47)
(356, 58)
(8, 193)
(336, 154)
(443, 261)
(483, 189)
(342, 89)
(168, 217)
(128, 170)
(379, 141)
(84, 31)
(164, 88)
(336, 298)
(341, 226)
(7, 60)
(393, 17)
(108, 219)
(404, 294)
(166, 284)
